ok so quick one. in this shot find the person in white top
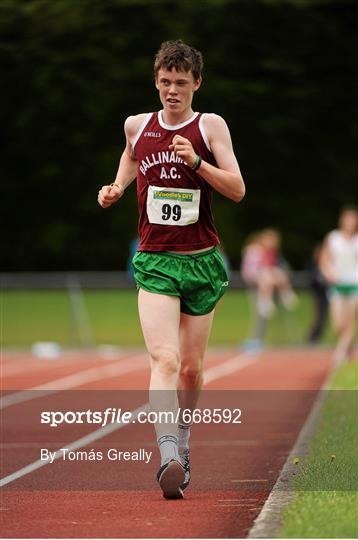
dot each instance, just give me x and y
(339, 265)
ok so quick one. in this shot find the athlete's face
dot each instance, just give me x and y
(349, 221)
(176, 89)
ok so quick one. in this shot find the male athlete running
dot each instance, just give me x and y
(178, 157)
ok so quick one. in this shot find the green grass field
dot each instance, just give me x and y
(326, 500)
(29, 316)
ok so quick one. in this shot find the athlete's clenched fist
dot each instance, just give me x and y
(108, 195)
(184, 149)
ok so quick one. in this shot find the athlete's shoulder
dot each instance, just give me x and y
(213, 120)
(334, 238)
(133, 123)
(336, 233)
(214, 124)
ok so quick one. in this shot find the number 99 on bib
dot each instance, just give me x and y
(173, 206)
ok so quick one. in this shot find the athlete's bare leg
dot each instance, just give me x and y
(284, 287)
(265, 293)
(194, 336)
(266, 283)
(344, 316)
(160, 317)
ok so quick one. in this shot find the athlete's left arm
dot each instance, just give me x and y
(226, 178)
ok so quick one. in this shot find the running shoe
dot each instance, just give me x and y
(170, 478)
(184, 459)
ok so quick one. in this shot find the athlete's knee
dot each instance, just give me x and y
(165, 360)
(349, 328)
(191, 373)
(280, 276)
(338, 329)
(339, 325)
(266, 283)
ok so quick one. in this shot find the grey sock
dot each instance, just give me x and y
(184, 435)
(168, 447)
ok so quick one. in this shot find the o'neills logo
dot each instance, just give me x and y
(152, 134)
(173, 196)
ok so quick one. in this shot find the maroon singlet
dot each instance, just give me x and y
(174, 201)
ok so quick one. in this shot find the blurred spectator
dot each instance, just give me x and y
(339, 265)
(318, 286)
(263, 268)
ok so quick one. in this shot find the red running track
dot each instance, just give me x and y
(233, 467)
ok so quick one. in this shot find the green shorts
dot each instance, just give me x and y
(199, 280)
(344, 290)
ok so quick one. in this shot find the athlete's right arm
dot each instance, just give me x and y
(127, 169)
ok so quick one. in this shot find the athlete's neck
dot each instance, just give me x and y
(348, 234)
(172, 119)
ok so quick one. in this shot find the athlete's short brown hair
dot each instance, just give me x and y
(178, 55)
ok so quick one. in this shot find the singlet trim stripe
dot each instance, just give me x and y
(141, 129)
(177, 126)
(203, 132)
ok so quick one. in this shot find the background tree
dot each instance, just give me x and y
(281, 73)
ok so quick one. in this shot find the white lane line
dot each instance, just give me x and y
(117, 368)
(232, 365)
(229, 505)
(74, 380)
(24, 368)
(110, 428)
(47, 365)
(194, 444)
(250, 480)
(27, 364)
(243, 500)
(249, 442)
(11, 371)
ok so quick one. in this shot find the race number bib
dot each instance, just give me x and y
(173, 206)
